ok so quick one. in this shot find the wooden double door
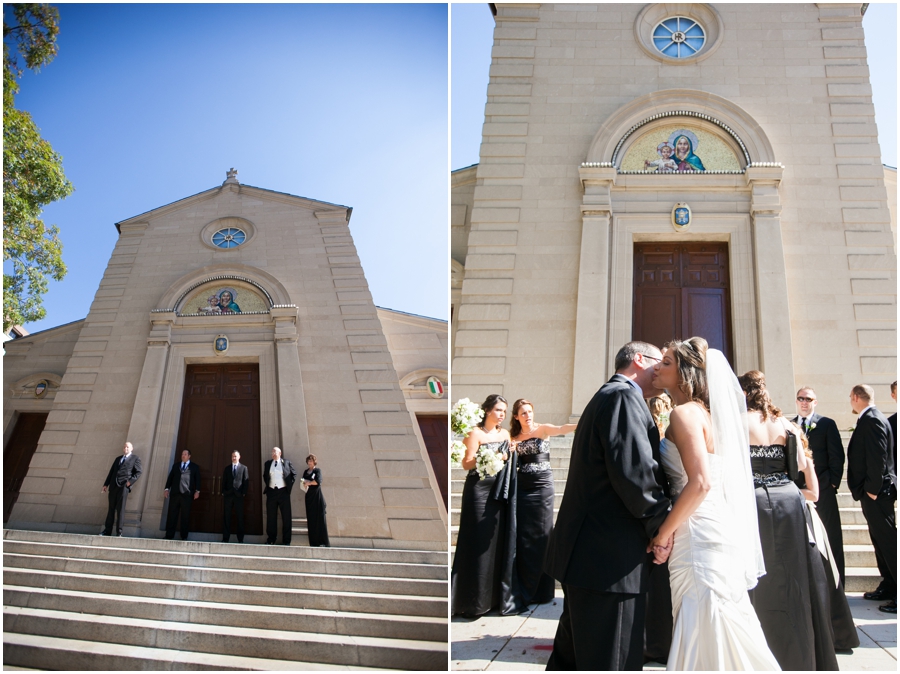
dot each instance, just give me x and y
(682, 290)
(220, 414)
(17, 456)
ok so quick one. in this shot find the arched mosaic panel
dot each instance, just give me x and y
(224, 298)
(679, 149)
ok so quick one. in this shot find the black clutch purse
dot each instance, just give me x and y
(790, 455)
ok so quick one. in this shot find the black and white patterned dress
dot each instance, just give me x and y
(534, 520)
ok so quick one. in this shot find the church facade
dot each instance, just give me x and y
(237, 318)
(661, 171)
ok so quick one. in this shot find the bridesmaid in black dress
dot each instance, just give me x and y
(829, 601)
(315, 504)
(787, 599)
(534, 501)
(482, 575)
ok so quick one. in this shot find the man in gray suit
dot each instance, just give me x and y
(235, 482)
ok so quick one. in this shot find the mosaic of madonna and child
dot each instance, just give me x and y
(224, 300)
(679, 150)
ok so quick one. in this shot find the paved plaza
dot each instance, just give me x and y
(523, 642)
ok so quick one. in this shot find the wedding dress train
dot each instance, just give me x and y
(715, 626)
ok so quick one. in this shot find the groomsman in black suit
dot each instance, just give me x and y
(123, 473)
(828, 457)
(182, 488)
(892, 420)
(614, 503)
(235, 482)
(278, 477)
(872, 479)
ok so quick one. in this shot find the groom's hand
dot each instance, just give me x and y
(661, 551)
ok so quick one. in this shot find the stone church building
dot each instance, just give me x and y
(237, 318)
(667, 170)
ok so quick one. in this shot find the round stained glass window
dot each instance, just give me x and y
(230, 237)
(678, 37)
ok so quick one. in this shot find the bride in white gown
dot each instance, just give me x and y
(716, 556)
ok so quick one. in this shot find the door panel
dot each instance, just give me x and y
(682, 290)
(434, 433)
(17, 456)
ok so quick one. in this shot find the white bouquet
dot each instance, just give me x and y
(465, 416)
(457, 451)
(488, 462)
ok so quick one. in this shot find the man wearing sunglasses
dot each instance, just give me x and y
(828, 457)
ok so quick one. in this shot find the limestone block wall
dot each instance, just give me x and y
(323, 358)
(559, 72)
(418, 347)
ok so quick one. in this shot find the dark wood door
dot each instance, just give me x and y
(434, 432)
(17, 456)
(220, 414)
(680, 291)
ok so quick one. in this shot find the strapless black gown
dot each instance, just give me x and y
(482, 577)
(788, 600)
(534, 521)
(315, 510)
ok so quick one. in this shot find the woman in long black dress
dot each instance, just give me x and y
(315, 504)
(534, 501)
(481, 578)
(784, 597)
(829, 601)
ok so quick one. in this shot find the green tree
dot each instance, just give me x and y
(32, 172)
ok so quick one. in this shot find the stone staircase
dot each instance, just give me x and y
(80, 602)
(859, 555)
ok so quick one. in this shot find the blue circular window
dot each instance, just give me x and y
(230, 237)
(678, 37)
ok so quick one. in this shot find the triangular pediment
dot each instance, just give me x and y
(237, 188)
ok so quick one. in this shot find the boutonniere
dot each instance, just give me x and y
(812, 425)
(851, 428)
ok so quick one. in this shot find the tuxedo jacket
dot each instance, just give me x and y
(614, 500)
(290, 474)
(870, 455)
(827, 449)
(892, 421)
(120, 473)
(243, 479)
(173, 482)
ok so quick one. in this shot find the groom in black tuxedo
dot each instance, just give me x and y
(614, 503)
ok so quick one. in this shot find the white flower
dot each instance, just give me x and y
(465, 416)
(812, 425)
(457, 451)
(488, 462)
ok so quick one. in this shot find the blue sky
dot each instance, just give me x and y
(472, 29)
(348, 104)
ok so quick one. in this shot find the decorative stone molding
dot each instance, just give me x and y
(20, 386)
(271, 288)
(731, 122)
(705, 15)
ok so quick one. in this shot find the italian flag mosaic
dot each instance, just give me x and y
(435, 387)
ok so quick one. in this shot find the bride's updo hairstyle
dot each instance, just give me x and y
(690, 359)
(515, 428)
(490, 403)
(753, 384)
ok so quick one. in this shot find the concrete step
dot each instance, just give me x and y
(239, 558)
(233, 615)
(376, 652)
(860, 556)
(68, 597)
(361, 602)
(861, 579)
(254, 577)
(49, 653)
(210, 547)
(856, 534)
